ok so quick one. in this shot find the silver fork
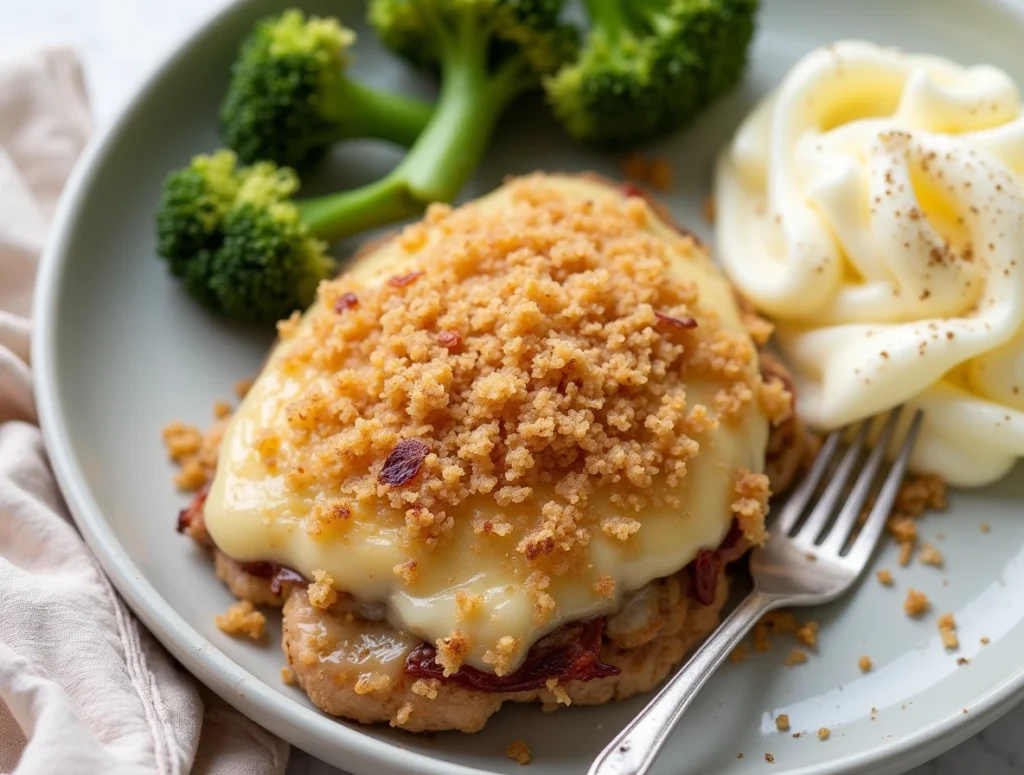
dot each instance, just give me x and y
(806, 561)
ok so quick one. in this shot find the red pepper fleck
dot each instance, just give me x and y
(705, 576)
(631, 189)
(188, 514)
(400, 281)
(450, 339)
(403, 463)
(347, 301)
(683, 323)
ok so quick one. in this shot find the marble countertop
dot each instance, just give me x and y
(121, 40)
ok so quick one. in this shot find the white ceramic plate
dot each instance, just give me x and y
(120, 351)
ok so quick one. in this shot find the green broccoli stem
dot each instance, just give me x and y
(360, 111)
(608, 20)
(468, 107)
(447, 151)
(336, 216)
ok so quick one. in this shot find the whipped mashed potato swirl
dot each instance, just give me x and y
(873, 206)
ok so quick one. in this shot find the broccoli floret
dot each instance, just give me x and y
(648, 66)
(241, 244)
(290, 99)
(245, 249)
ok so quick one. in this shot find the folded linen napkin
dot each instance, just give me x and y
(83, 688)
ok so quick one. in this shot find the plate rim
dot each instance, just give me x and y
(299, 725)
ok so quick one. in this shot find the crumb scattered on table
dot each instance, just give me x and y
(984, 640)
(916, 604)
(242, 619)
(782, 722)
(864, 663)
(769, 758)
(885, 577)
(823, 733)
(518, 751)
(963, 661)
(984, 527)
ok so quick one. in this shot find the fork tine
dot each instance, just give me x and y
(865, 542)
(847, 519)
(826, 505)
(797, 502)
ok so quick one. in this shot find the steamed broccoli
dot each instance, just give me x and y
(245, 249)
(289, 98)
(648, 66)
(488, 52)
(241, 245)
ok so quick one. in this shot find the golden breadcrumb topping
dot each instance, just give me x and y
(467, 605)
(502, 655)
(751, 505)
(368, 683)
(518, 751)
(287, 676)
(605, 586)
(321, 590)
(426, 687)
(542, 345)
(403, 715)
(242, 618)
(451, 650)
(561, 695)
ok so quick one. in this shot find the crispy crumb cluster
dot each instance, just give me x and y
(242, 618)
(947, 631)
(195, 451)
(542, 350)
(917, 495)
(518, 751)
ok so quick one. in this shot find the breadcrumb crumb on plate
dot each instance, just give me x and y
(242, 618)
(519, 752)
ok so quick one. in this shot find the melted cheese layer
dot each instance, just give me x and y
(252, 515)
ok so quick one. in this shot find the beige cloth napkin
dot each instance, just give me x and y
(83, 688)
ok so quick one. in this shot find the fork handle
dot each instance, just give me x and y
(635, 748)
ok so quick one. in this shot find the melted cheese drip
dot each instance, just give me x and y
(252, 515)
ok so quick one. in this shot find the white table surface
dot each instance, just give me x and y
(119, 42)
